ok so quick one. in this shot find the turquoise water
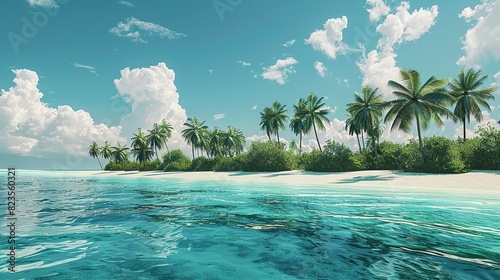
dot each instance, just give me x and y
(125, 228)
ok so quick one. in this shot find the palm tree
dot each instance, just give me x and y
(352, 128)
(233, 141)
(119, 154)
(279, 117)
(421, 103)
(106, 150)
(142, 153)
(167, 129)
(156, 138)
(469, 97)
(366, 111)
(265, 121)
(215, 143)
(194, 133)
(313, 110)
(299, 124)
(139, 139)
(95, 151)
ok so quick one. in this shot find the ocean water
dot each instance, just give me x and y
(149, 228)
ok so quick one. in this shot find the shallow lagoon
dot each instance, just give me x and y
(136, 228)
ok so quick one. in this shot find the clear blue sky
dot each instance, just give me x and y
(227, 56)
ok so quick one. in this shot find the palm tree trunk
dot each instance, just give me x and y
(363, 140)
(278, 135)
(167, 146)
(375, 151)
(420, 137)
(359, 144)
(192, 149)
(99, 162)
(300, 143)
(316, 133)
(156, 150)
(464, 129)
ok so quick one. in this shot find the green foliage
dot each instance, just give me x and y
(230, 164)
(130, 166)
(442, 155)
(487, 153)
(267, 157)
(175, 161)
(468, 151)
(336, 157)
(203, 164)
(389, 157)
(151, 165)
(111, 166)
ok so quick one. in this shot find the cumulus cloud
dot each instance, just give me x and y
(136, 30)
(43, 3)
(405, 26)
(377, 69)
(280, 70)
(329, 39)
(378, 9)
(497, 80)
(243, 63)
(125, 3)
(322, 70)
(153, 96)
(30, 127)
(218, 116)
(482, 40)
(91, 69)
(289, 43)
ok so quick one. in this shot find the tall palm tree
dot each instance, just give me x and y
(215, 143)
(119, 153)
(233, 141)
(279, 117)
(139, 139)
(299, 123)
(367, 112)
(167, 129)
(106, 150)
(194, 133)
(421, 103)
(266, 121)
(469, 97)
(313, 110)
(142, 153)
(352, 128)
(95, 151)
(156, 138)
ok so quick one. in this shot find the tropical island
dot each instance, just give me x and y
(417, 104)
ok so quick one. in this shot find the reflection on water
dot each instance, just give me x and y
(123, 228)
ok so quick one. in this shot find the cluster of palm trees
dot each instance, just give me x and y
(420, 103)
(144, 146)
(309, 113)
(215, 142)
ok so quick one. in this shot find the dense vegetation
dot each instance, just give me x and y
(416, 105)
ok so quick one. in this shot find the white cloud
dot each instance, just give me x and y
(378, 9)
(289, 43)
(377, 69)
(243, 63)
(256, 138)
(280, 70)
(322, 70)
(126, 3)
(91, 69)
(497, 80)
(405, 26)
(218, 116)
(254, 107)
(210, 71)
(32, 128)
(329, 39)
(153, 96)
(43, 3)
(135, 30)
(482, 40)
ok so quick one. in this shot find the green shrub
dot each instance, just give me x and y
(267, 157)
(111, 166)
(151, 165)
(203, 164)
(468, 151)
(230, 164)
(130, 166)
(336, 157)
(441, 156)
(487, 153)
(175, 161)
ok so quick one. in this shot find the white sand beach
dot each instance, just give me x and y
(478, 181)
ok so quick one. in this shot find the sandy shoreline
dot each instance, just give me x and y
(479, 181)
